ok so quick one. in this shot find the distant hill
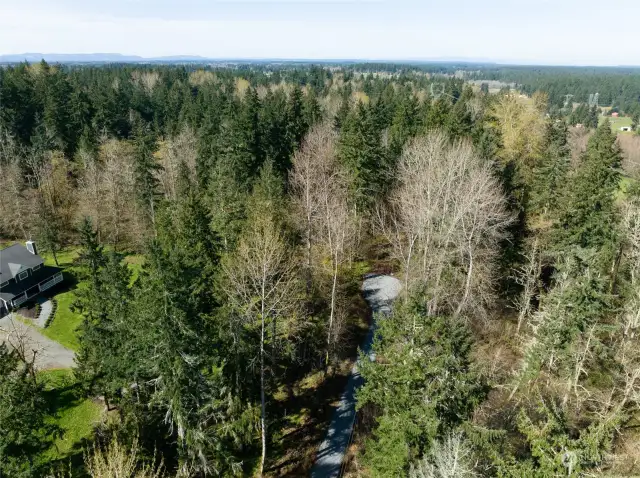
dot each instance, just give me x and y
(92, 58)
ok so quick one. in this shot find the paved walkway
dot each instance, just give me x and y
(46, 308)
(50, 354)
(379, 291)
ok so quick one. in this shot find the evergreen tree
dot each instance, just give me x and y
(404, 383)
(588, 215)
(208, 147)
(25, 432)
(278, 130)
(550, 172)
(592, 120)
(404, 125)
(437, 114)
(104, 306)
(243, 144)
(459, 122)
(297, 125)
(311, 109)
(344, 109)
(146, 168)
(19, 103)
(360, 151)
(185, 227)
(57, 115)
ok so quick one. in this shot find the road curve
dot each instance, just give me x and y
(49, 354)
(379, 291)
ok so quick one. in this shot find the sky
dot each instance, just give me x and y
(570, 32)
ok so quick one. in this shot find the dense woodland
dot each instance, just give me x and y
(259, 196)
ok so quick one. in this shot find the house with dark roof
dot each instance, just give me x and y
(23, 275)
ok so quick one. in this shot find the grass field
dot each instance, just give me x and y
(617, 123)
(63, 328)
(71, 411)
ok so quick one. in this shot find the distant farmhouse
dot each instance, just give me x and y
(23, 276)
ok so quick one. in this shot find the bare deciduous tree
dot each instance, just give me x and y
(328, 220)
(14, 205)
(528, 277)
(450, 458)
(312, 162)
(261, 286)
(121, 218)
(117, 460)
(631, 229)
(178, 152)
(446, 217)
(147, 80)
(54, 200)
(90, 200)
(14, 208)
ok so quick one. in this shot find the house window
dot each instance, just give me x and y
(23, 275)
(35, 268)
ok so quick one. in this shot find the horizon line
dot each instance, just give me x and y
(133, 58)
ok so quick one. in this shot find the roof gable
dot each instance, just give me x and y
(16, 269)
(15, 259)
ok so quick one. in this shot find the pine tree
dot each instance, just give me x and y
(404, 125)
(146, 168)
(550, 172)
(278, 135)
(404, 384)
(588, 216)
(344, 109)
(25, 432)
(459, 122)
(104, 306)
(311, 108)
(360, 151)
(297, 125)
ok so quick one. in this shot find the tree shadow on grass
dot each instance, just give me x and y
(63, 393)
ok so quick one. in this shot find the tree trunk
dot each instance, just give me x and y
(153, 217)
(615, 268)
(263, 406)
(333, 306)
(407, 268)
(467, 286)
(308, 252)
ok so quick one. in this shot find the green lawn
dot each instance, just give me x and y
(617, 123)
(71, 411)
(65, 257)
(63, 328)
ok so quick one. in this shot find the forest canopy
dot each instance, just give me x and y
(215, 224)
